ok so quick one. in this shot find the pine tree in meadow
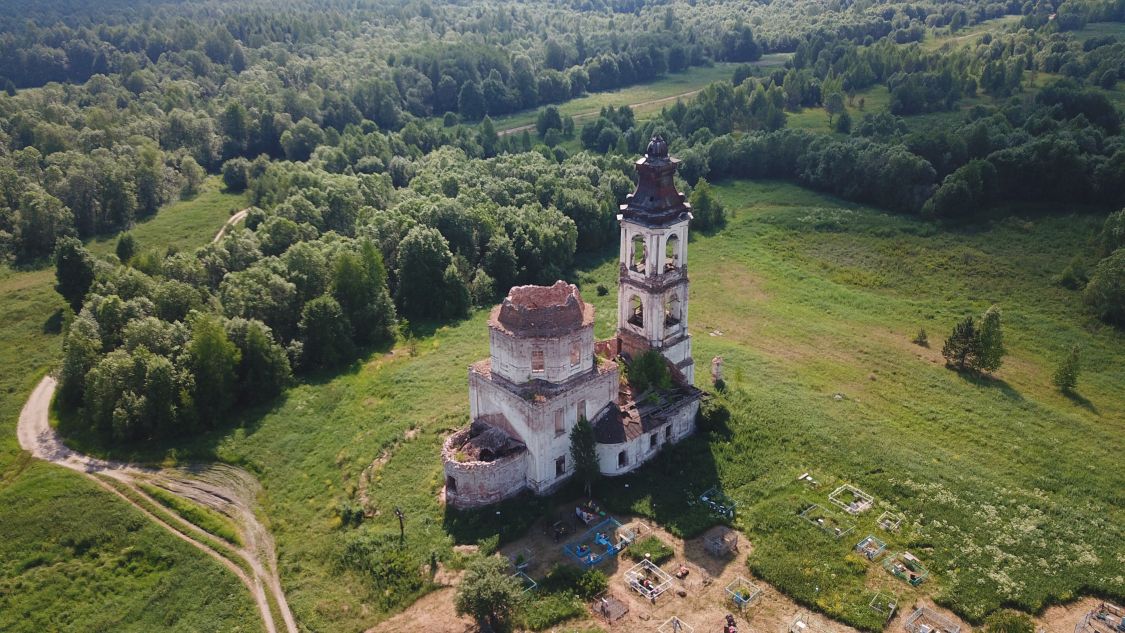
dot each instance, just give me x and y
(991, 341)
(962, 347)
(1066, 374)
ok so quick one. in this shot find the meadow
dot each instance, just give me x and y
(73, 556)
(1009, 488)
(651, 96)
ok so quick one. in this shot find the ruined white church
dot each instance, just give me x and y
(546, 371)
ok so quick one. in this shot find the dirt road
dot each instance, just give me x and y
(228, 490)
(234, 219)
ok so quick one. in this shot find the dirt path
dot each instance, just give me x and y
(225, 489)
(234, 219)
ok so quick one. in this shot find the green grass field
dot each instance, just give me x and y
(659, 91)
(805, 297)
(120, 573)
(936, 39)
(1100, 29)
(874, 99)
(74, 559)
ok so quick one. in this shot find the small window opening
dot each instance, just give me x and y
(580, 411)
(560, 425)
(668, 433)
(653, 440)
(451, 484)
(537, 360)
(622, 460)
(560, 466)
(575, 354)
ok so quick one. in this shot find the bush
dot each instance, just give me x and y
(1009, 622)
(649, 370)
(1105, 293)
(658, 551)
(592, 583)
(561, 577)
(548, 610)
(921, 339)
(1066, 374)
(1074, 276)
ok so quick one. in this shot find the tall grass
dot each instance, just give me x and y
(205, 518)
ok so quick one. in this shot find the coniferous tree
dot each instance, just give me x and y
(991, 342)
(489, 139)
(1066, 374)
(126, 247)
(584, 453)
(74, 271)
(962, 348)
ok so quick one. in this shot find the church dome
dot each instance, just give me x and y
(543, 311)
(657, 147)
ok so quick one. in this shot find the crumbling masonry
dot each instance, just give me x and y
(545, 370)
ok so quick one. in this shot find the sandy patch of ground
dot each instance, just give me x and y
(1064, 618)
(700, 599)
(433, 613)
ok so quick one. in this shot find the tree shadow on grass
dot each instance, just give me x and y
(1081, 401)
(54, 323)
(989, 381)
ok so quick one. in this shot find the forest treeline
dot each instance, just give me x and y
(129, 100)
(379, 200)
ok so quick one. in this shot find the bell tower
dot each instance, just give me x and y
(652, 289)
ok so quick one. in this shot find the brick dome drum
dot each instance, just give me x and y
(543, 311)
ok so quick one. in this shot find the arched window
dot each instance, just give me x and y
(672, 252)
(639, 254)
(672, 311)
(637, 312)
(575, 353)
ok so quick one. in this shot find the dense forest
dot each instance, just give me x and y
(384, 195)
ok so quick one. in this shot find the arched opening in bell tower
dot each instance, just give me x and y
(672, 311)
(636, 311)
(638, 255)
(672, 253)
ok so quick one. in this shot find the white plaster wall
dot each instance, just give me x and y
(511, 356)
(534, 422)
(639, 450)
